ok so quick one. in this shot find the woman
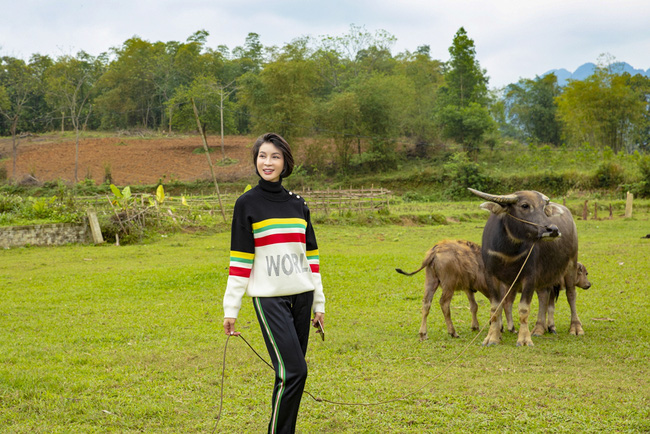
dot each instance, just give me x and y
(274, 259)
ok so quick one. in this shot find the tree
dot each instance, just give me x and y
(129, 89)
(70, 83)
(281, 97)
(17, 86)
(341, 59)
(463, 97)
(465, 81)
(383, 105)
(341, 118)
(210, 99)
(251, 56)
(426, 76)
(177, 65)
(531, 107)
(640, 85)
(602, 110)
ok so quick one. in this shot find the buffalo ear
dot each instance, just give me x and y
(553, 209)
(494, 208)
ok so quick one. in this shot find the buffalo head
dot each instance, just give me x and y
(531, 213)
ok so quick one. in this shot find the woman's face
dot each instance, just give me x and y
(270, 162)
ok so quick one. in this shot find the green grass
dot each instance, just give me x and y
(129, 339)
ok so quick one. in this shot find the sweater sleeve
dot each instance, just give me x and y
(242, 253)
(313, 258)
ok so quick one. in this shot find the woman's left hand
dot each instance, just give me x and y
(319, 317)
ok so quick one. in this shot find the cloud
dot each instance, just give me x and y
(513, 38)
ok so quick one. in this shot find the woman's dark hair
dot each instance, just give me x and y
(279, 143)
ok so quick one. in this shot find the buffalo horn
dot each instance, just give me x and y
(508, 198)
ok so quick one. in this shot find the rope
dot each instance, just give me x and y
(400, 398)
(223, 376)
(526, 221)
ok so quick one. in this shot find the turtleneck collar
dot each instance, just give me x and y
(273, 190)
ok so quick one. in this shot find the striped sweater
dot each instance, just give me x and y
(273, 250)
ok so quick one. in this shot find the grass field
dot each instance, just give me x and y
(129, 339)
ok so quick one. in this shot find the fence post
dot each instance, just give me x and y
(595, 210)
(584, 211)
(94, 227)
(327, 201)
(360, 200)
(628, 205)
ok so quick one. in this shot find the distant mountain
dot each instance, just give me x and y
(588, 68)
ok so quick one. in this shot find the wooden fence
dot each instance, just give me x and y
(344, 201)
(340, 201)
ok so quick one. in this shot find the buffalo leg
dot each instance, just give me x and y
(494, 334)
(550, 322)
(445, 306)
(507, 308)
(431, 283)
(524, 311)
(543, 296)
(576, 325)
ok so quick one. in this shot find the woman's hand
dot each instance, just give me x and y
(229, 326)
(319, 317)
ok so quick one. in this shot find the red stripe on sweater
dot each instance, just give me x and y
(315, 268)
(240, 272)
(280, 239)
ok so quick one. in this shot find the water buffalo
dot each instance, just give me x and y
(519, 223)
(455, 265)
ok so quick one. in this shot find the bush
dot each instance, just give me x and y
(10, 203)
(609, 175)
(644, 183)
(460, 173)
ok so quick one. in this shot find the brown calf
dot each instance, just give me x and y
(455, 265)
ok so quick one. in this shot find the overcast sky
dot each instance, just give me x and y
(513, 38)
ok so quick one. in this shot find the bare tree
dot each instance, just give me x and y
(17, 85)
(70, 83)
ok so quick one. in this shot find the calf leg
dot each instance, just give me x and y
(576, 325)
(473, 307)
(431, 283)
(543, 296)
(445, 306)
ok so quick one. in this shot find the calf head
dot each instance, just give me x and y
(581, 277)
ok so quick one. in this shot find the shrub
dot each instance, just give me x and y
(10, 203)
(609, 175)
(460, 174)
(372, 161)
(644, 168)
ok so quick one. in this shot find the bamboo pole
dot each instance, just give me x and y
(207, 154)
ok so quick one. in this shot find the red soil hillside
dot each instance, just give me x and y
(130, 160)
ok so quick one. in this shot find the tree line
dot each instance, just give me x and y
(347, 89)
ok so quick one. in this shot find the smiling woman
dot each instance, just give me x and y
(271, 229)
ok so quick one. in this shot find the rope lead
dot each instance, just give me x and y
(368, 404)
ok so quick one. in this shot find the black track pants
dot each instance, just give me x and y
(285, 325)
